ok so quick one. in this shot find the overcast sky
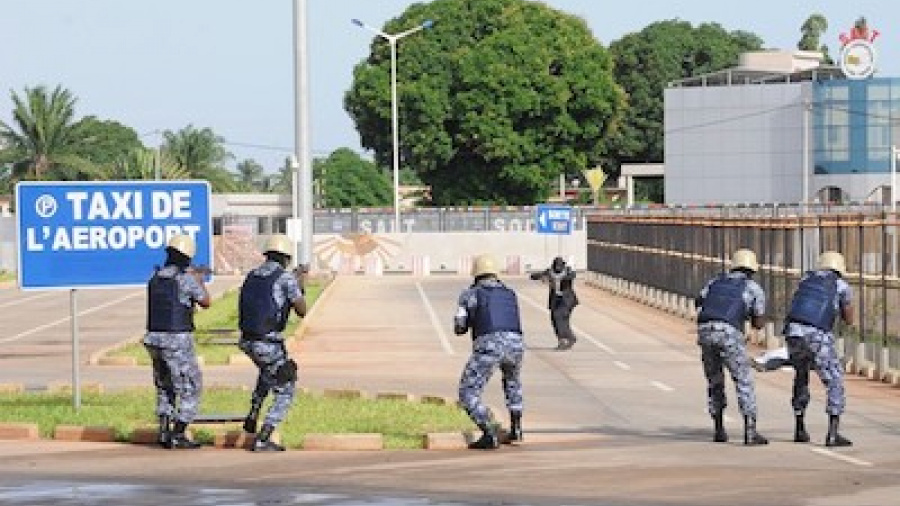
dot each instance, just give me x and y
(228, 64)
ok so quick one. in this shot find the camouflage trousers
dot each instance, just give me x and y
(815, 350)
(269, 357)
(723, 347)
(503, 350)
(178, 380)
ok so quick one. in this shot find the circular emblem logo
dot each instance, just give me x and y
(45, 206)
(858, 59)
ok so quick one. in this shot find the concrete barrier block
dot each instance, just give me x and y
(117, 360)
(144, 435)
(440, 401)
(11, 388)
(353, 442)
(395, 396)
(332, 393)
(19, 431)
(91, 433)
(62, 388)
(445, 441)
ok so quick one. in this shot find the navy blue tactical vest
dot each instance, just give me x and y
(497, 311)
(258, 314)
(724, 302)
(165, 313)
(813, 302)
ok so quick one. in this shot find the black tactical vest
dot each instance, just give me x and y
(724, 302)
(165, 313)
(813, 302)
(258, 314)
(497, 310)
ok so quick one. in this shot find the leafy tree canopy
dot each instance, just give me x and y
(811, 35)
(348, 180)
(646, 61)
(106, 142)
(495, 100)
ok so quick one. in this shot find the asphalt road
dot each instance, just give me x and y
(618, 420)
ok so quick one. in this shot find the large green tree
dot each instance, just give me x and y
(646, 61)
(107, 142)
(202, 154)
(811, 36)
(43, 141)
(347, 180)
(496, 100)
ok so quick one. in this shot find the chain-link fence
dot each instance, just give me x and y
(677, 251)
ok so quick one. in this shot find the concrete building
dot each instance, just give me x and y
(780, 128)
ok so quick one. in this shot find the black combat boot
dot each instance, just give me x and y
(751, 437)
(251, 420)
(263, 442)
(179, 441)
(488, 439)
(833, 438)
(800, 434)
(515, 427)
(164, 435)
(720, 436)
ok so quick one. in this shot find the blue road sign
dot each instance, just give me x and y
(553, 219)
(106, 234)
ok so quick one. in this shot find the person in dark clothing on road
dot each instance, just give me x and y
(561, 300)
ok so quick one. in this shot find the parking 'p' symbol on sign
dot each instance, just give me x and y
(45, 206)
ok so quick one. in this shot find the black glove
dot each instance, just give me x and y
(287, 371)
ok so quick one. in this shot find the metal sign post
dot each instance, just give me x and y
(76, 376)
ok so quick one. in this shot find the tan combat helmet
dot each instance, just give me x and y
(834, 261)
(280, 243)
(744, 259)
(484, 264)
(183, 244)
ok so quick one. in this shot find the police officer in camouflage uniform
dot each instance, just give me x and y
(491, 310)
(725, 303)
(267, 296)
(821, 296)
(172, 293)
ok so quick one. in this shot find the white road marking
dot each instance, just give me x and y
(577, 330)
(838, 456)
(435, 321)
(662, 386)
(26, 299)
(622, 365)
(67, 318)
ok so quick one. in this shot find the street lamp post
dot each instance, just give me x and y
(395, 134)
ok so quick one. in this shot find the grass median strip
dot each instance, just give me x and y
(7, 275)
(218, 325)
(401, 423)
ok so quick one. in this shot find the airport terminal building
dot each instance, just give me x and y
(781, 128)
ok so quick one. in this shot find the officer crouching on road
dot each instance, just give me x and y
(725, 303)
(491, 310)
(267, 296)
(561, 300)
(171, 294)
(821, 296)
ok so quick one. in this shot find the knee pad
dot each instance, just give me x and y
(287, 371)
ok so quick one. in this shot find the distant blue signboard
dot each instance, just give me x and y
(553, 219)
(106, 234)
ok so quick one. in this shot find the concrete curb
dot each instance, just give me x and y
(28, 431)
(91, 433)
(353, 442)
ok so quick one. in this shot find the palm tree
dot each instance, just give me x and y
(142, 163)
(201, 153)
(251, 177)
(41, 142)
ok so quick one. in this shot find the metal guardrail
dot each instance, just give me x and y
(677, 251)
